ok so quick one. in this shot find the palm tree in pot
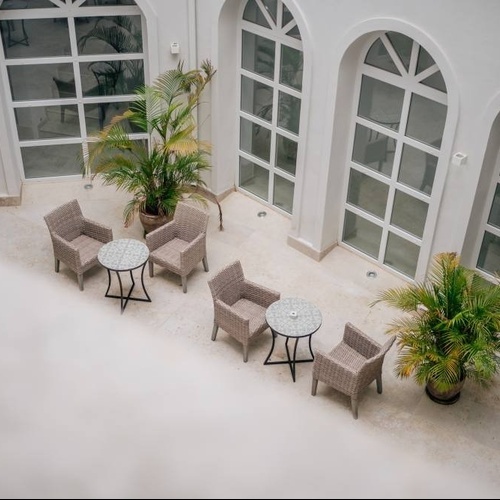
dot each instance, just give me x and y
(168, 165)
(450, 331)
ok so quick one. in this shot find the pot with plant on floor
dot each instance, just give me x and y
(449, 332)
(165, 165)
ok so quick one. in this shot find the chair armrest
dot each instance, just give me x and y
(97, 231)
(360, 342)
(227, 319)
(66, 252)
(194, 252)
(258, 293)
(157, 238)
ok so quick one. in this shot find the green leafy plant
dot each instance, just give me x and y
(167, 166)
(450, 331)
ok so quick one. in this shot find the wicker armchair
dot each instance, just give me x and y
(239, 305)
(76, 240)
(180, 244)
(352, 365)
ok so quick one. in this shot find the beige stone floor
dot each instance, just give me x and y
(94, 404)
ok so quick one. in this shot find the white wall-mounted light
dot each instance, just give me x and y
(175, 48)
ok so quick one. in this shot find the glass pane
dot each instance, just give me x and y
(283, 193)
(47, 122)
(494, 217)
(417, 169)
(258, 54)
(51, 161)
(424, 60)
(97, 116)
(294, 33)
(27, 38)
(291, 67)
(288, 112)
(371, 149)
(380, 102)
(254, 178)
(109, 35)
(254, 14)
(105, 3)
(286, 154)
(435, 81)
(378, 57)
(367, 193)
(362, 234)
(489, 255)
(256, 98)
(111, 77)
(426, 120)
(409, 213)
(287, 16)
(26, 4)
(272, 8)
(255, 139)
(401, 255)
(402, 45)
(37, 81)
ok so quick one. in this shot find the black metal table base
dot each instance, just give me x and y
(291, 361)
(124, 299)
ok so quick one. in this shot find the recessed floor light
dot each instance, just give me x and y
(261, 214)
(371, 274)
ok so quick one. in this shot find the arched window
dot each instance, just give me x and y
(396, 141)
(71, 65)
(270, 105)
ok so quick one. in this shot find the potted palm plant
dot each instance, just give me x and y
(450, 330)
(165, 167)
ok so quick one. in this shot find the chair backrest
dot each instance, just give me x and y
(226, 285)
(66, 220)
(191, 221)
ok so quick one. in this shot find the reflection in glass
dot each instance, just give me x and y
(254, 178)
(494, 217)
(286, 154)
(283, 193)
(97, 116)
(288, 112)
(47, 122)
(109, 35)
(291, 67)
(361, 234)
(57, 160)
(254, 14)
(287, 16)
(401, 255)
(426, 120)
(256, 98)
(255, 139)
(489, 255)
(409, 213)
(258, 54)
(378, 57)
(380, 102)
(417, 169)
(435, 81)
(371, 149)
(36, 81)
(425, 60)
(402, 45)
(367, 193)
(27, 4)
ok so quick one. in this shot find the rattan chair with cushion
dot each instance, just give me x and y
(239, 305)
(352, 365)
(76, 240)
(181, 244)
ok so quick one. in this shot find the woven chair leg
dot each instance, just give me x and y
(151, 270)
(56, 264)
(354, 407)
(184, 284)
(80, 282)
(214, 331)
(314, 386)
(245, 353)
(379, 384)
(205, 264)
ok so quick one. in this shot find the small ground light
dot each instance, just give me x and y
(371, 274)
(261, 214)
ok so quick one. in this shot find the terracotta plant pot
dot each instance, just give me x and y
(447, 397)
(152, 222)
